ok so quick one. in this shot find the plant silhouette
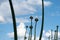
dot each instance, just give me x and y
(14, 21)
(42, 25)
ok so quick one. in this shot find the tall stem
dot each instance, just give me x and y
(42, 20)
(14, 21)
(35, 31)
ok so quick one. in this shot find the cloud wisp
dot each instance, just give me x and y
(2, 19)
(20, 31)
(22, 7)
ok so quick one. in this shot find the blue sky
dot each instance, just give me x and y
(23, 10)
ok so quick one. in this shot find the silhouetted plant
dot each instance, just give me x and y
(14, 21)
(25, 33)
(42, 25)
(36, 19)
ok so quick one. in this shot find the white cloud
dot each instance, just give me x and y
(43, 38)
(39, 2)
(5, 9)
(59, 34)
(22, 20)
(47, 34)
(21, 8)
(47, 3)
(20, 31)
(37, 38)
(2, 20)
(18, 20)
(11, 35)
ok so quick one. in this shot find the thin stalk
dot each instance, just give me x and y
(35, 31)
(14, 21)
(42, 20)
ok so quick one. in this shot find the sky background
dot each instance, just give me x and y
(23, 10)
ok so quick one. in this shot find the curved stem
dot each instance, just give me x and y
(14, 21)
(42, 20)
(35, 31)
